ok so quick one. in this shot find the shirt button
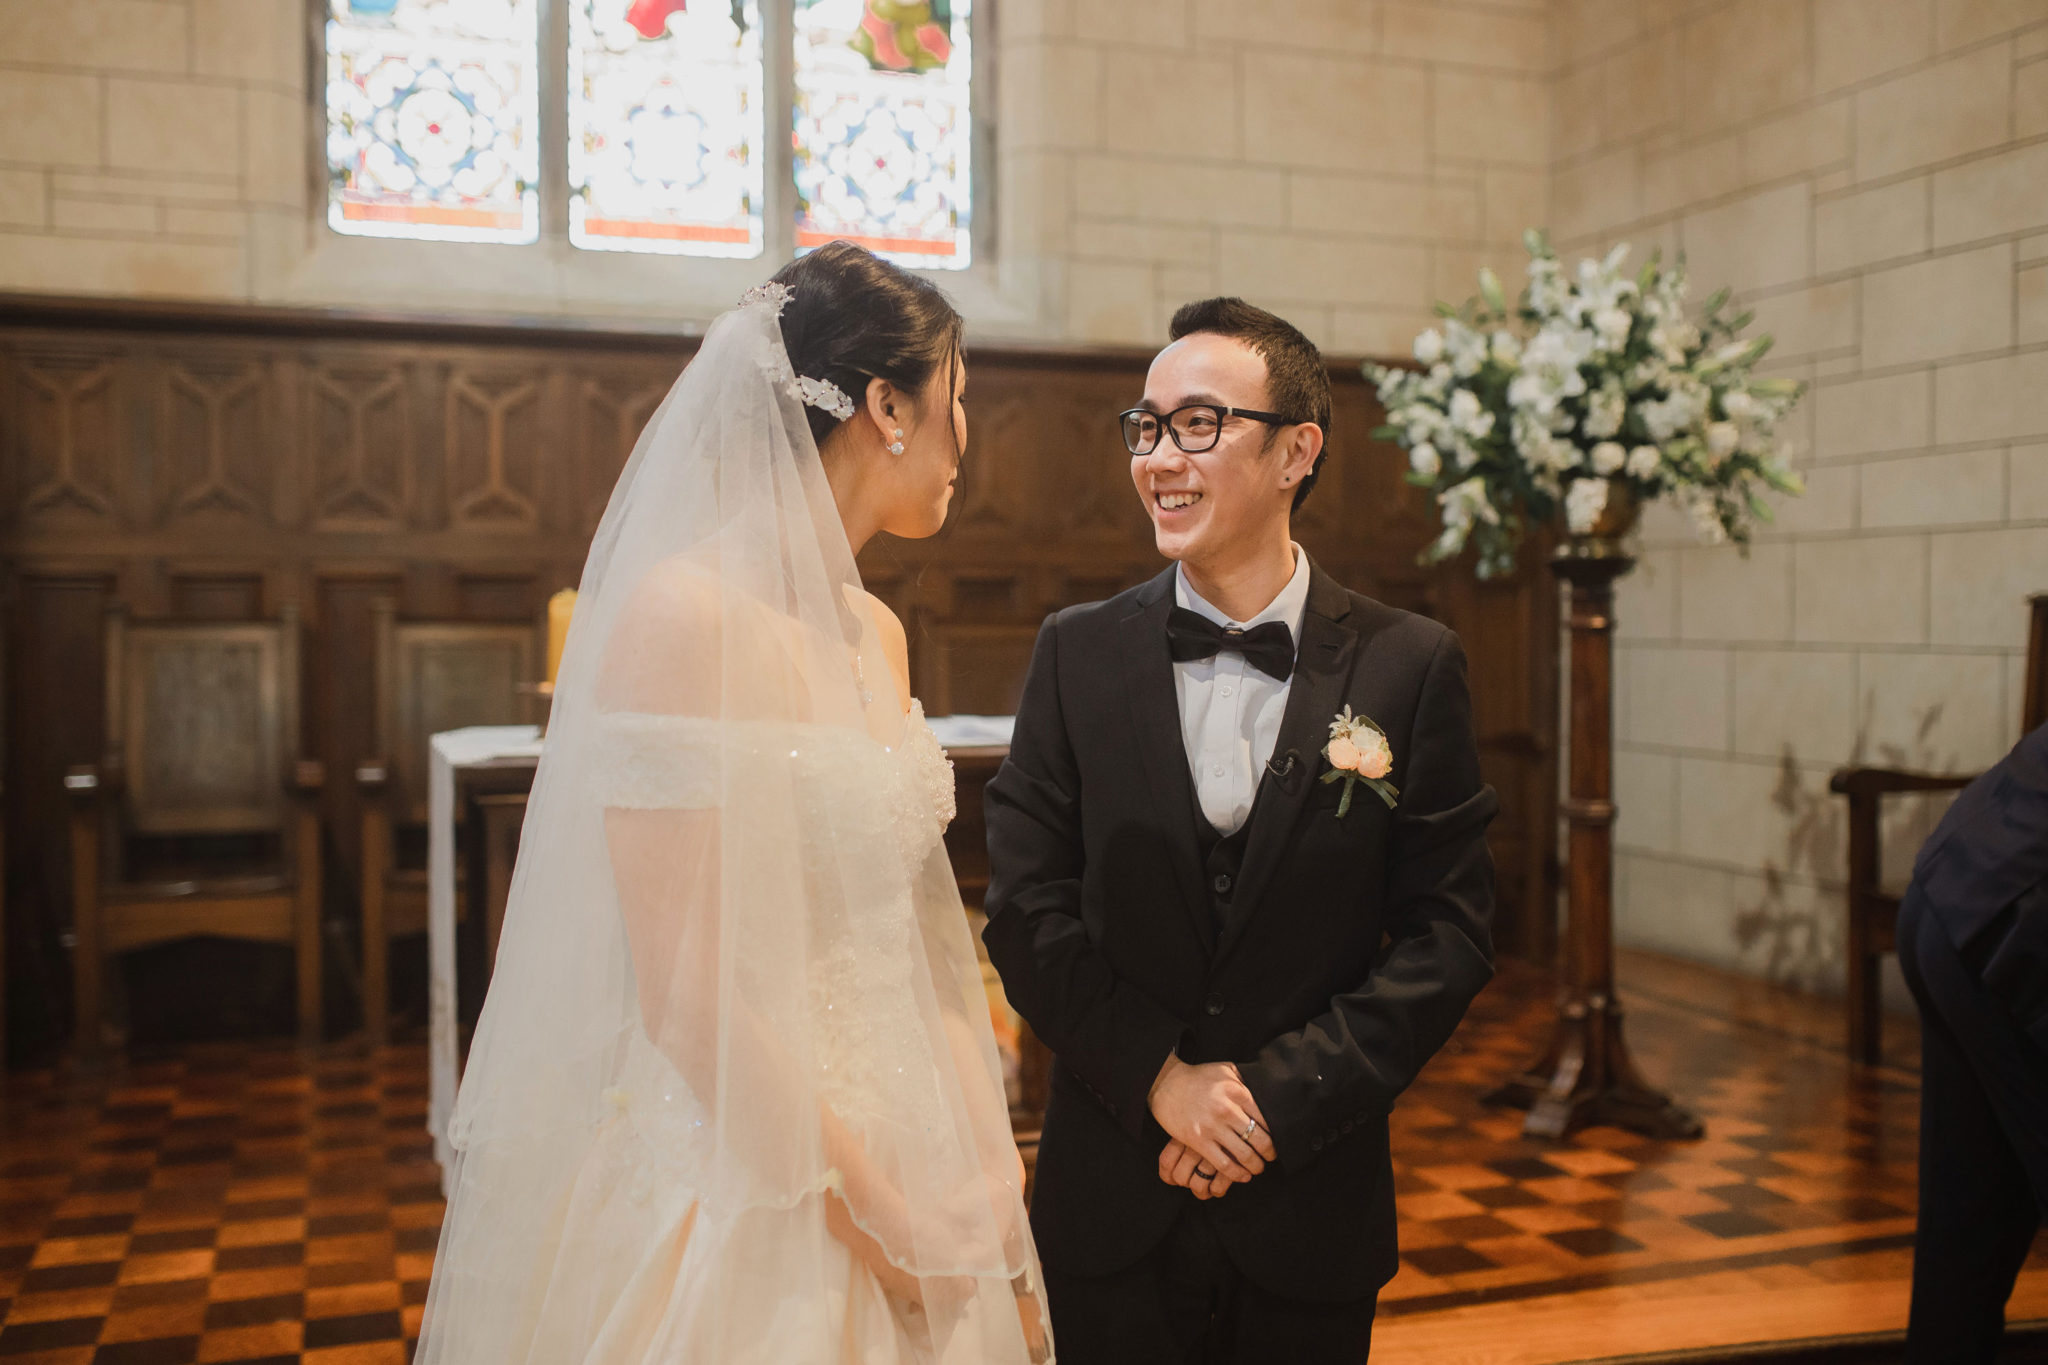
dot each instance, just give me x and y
(1214, 1008)
(1227, 691)
(1222, 883)
(1217, 770)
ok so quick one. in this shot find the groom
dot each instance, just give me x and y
(1236, 972)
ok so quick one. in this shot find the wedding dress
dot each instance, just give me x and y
(734, 1096)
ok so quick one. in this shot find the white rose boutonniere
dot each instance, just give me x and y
(1358, 752)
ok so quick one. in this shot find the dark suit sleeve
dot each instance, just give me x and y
(1107, 1032)
(1350, 1062)
(1991, 847)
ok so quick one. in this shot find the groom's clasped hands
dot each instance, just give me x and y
(1218, 1136)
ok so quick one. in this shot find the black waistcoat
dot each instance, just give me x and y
(1223, 855)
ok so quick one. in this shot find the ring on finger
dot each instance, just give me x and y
(1251, 1126)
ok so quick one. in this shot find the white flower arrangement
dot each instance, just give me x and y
(1520, 412)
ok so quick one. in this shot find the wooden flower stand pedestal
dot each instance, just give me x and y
(1587, 1077)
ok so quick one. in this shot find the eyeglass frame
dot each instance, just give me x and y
(1165, 420)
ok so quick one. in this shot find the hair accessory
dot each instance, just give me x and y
(772, 296)
(820, 393)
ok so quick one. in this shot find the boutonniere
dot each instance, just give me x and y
(1358, 753)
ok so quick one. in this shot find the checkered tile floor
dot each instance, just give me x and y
(1806, 1159)
(230, 1203)
(241, 1203)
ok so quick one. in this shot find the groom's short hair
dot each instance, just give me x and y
(1297, 380)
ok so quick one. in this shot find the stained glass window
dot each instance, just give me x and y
(665, 127)
(433, 119)
(882, 127)
(434, 129)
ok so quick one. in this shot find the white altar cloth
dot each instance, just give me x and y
(452, 749)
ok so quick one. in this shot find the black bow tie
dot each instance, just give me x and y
(1268, 648)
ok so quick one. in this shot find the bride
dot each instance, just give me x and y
(734, 1095)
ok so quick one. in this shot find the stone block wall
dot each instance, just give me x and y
(142, 142)
(1872, 177)
(1345, 161)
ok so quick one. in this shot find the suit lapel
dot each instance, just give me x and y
(1322, 672)
(1155, 722)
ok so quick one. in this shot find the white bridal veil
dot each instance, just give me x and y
(734, 1094)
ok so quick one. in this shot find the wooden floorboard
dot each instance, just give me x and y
(249, 1203)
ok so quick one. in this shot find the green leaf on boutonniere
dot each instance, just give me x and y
(1380, 787)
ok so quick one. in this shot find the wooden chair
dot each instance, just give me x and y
(1874, 911)
(431, 676)
(202, 818)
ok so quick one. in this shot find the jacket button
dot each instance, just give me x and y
(1222, 883)
(1214, 1007)
(1345, 1126)
(1315, 1144)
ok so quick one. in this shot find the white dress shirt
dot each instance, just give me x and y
(1229, 711)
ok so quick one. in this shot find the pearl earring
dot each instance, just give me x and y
(896, 446)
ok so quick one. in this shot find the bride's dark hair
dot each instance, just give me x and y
(855, 317)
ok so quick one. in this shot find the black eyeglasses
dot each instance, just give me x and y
(1196, 427)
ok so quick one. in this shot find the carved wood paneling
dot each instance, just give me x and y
(611, 408)
(66, 439)
(341, 696)
(218, 459)
(216, 596)
(510, 597)
(358, 447)
(224, 464)
(993, 494)
(1044, 457)
(493, 449)
(973, 669)
(55, 708)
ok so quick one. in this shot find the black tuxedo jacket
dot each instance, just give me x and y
(1350, 949)
(1983, 874)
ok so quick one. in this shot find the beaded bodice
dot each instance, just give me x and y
(841, 777)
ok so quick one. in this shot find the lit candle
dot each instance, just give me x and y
(560, 608)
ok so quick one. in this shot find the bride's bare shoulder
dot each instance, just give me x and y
(895, 643)
(676, 633)
(682, 598)
(676, 590)
(887, 624)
